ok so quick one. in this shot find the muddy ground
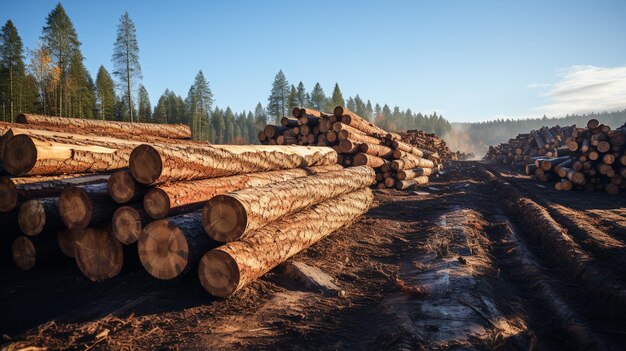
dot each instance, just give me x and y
(480, 258)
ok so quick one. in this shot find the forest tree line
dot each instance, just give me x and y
(52, 79)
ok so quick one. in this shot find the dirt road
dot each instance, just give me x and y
(479, 259)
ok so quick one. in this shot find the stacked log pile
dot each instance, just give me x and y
(398, 162)
(170, 203)
(590, 159)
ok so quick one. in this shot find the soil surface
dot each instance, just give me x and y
(480, 258)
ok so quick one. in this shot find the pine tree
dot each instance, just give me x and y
(370, 111)
(105, 93)
(292, 100)
(11, 70)
(251, 128)
(360, 107)
(80, 89)
(160, 112)
(229, 119)
(219, 126)
(260, 118)
(144, 106)
(44, 75)
(336, 99)
(351, 105)
(301, 96)
(60, 40)
(277, 102)
(126, 59)
(199, 103)
(318, 98)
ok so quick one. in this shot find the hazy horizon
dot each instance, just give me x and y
(469, 61)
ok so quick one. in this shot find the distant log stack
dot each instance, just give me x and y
(590, 159)
(359, 142)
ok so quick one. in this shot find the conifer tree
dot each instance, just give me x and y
(350, 104)
(105, 94)
(277, 102)
(126, 59)
(292, 100)
(143, 103)
(12, 72)
(301, 96)
(318, 98)
(229, 119)
(219, 126)
(260, 118)
(251, 128)
(336, 99)
(199, 102)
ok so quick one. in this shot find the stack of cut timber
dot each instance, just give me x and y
(398, 164)
(591, 158)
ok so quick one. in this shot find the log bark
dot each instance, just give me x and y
(288, 122)
(362, 159)
(232, 216)
(158, 164)
(376, 150)
(98, 254)
(15, 190)
(128, 222)
(39, 215)
(224, 270)
(29, 251)
(169, 247)
(174, 131)
(66, 239)
(274, 131)
(413, 173)
(298, 112)
(411, 161)
(175, 198)
(408, 148)
(347, 146)
(123, 188)
(410, 183)
(353, 120)
(39, 155)
(86, 206)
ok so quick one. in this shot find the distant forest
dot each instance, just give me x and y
(52, 79)
(476, 137)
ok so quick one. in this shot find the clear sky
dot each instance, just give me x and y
(470, 60)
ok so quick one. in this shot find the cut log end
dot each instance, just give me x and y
(163, 249)
(219, 273)
(98, 254)
(224, 218)
(75, 208)
(126, 225)
(20, 155)
(23, 252)
(156, 203)
(145, 164)
(66, 239)
(31, 217)
(8, 195)
(121, 187)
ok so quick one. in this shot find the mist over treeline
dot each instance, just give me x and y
(477, 136)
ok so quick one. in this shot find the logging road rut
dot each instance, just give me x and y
(480, 258)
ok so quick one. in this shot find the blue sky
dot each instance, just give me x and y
(470, 60)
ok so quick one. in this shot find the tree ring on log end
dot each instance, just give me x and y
(20, 155)
(121, 187)
(156, 203)
(163, 249)
(66, 238)
(31, 217)
(219, 273)
(224, 218)
(145, 164)
(98, 254)
(8, 195)
(126, 225)
(75, 208)
(23, 252)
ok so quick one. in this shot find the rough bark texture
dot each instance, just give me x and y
(169, 247)
(232, 216)
(376, 150)
(411, 161)
(175, 198)
(352, 119)
(98, 254)
(128, 222)
(224, 270)
(158, 164)
(123, 188)
(175, 131)
(38, 215)
(39, 155)
(347, 146)
(407, 184)
(362, 159)
(86, 206)
(413, 173)
(66, 239)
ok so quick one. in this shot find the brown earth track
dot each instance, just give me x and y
(456, 226)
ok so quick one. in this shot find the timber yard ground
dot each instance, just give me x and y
(480, 258)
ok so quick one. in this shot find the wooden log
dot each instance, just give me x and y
(593, 123)
(35, 155)
(558, 169)
(541, 143)
(413, 173)
(37, 215)
(408, 148)
(298, 112)
(98, 254)
(410, 183)
(390, 182)
(547, 164)
(286, 140)
(156, 164)
(232, 216)
(175, 198)
(174, 131)
(86, 206)
(128, 222)
(168, 247)
(376, 150)
(411, 161)
(362, 159)
(353, 120)
(575, 177)
(224, 270)
(28, 251)
(274, 131)
(288, 122)
(123, 188)
(66, 239)
(347, 146)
